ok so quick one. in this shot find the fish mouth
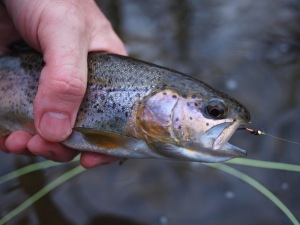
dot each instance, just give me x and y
(213, 145)
(217, 139)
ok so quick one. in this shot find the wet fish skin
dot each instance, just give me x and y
(131, 109)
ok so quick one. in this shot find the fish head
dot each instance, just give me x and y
(204, 125)
(193, 126)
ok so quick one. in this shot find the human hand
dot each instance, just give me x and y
(64, 31)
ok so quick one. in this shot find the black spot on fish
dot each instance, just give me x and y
(191, 118)
(164, 93)
(194, 96)
(179, 127)
(177, 119)
(207, 124)
(184, 95)
(174, 96)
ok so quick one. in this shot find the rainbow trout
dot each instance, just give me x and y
(131, 109)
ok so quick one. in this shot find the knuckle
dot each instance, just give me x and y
(69, 86)
(65, 87)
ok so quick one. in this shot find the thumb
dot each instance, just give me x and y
(61, 89)
(63, 79)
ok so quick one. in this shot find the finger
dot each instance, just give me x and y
(57, 101)
(17, 142)
(49, 150)
(62, 82)
(92, 159)
(103, 36)
(106, 42)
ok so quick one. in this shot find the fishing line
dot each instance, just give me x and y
(259, 132)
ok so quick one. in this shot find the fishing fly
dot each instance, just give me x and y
(252, 131)
(260, 132)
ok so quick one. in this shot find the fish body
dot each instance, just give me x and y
(131, 109)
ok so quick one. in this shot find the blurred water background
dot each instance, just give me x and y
(249, 49)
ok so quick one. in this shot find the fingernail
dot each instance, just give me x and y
(55, 126)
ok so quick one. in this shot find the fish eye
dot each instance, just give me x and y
(216, 109)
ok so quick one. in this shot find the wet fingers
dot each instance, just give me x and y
(17, 142)
(92, 159)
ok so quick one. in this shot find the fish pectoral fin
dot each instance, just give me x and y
(108, 143)
(104, 139)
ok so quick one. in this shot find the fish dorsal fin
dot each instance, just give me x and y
(104, 139)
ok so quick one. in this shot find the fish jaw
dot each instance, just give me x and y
(210, 147)
(217, 138)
